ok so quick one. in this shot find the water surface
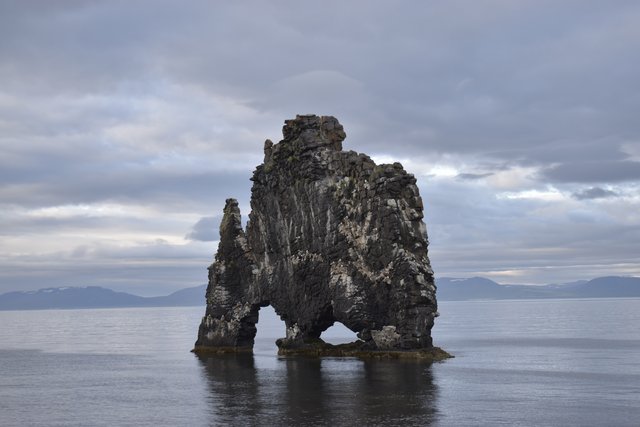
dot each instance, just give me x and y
(528, 363)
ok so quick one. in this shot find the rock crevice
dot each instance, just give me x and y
(331, 237)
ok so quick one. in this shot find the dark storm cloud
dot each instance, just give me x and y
(594, 193)
(205, 230)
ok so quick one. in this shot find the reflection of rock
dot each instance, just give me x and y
(408, 397)
(234, 386)
(331, 237)
(310, 391)
(302, 375)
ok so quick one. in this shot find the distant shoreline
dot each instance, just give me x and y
(449, 289)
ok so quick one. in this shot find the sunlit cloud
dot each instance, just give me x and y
(549, 195)
(88, 210)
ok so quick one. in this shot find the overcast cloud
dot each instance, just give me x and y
(124, 125)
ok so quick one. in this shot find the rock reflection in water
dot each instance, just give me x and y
(307, 391)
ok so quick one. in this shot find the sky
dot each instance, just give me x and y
(124, 126)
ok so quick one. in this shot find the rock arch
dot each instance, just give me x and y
(331, 237)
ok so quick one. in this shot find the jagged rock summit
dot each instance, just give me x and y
(331, 237)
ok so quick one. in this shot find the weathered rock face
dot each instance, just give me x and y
(331, 237)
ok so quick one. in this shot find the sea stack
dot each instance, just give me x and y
(331, 237)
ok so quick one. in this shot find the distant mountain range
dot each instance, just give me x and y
(476, 288)
(96, 297)
(449, 289)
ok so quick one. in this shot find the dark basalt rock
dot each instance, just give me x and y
(331, 237)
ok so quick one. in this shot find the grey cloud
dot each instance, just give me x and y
(473, 176)
(473, 233)
(21, 224)
(574, 151)
(75, 45)
(197, 190)
(594, 193)
(547, 85)
(487, 81)
(205, 230)
(594, 171)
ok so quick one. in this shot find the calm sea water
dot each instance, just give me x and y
(518, 363)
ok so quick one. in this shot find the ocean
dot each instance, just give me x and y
(518, 363)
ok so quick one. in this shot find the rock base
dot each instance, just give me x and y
(320, 348)
(204, 350)
(359, 349)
